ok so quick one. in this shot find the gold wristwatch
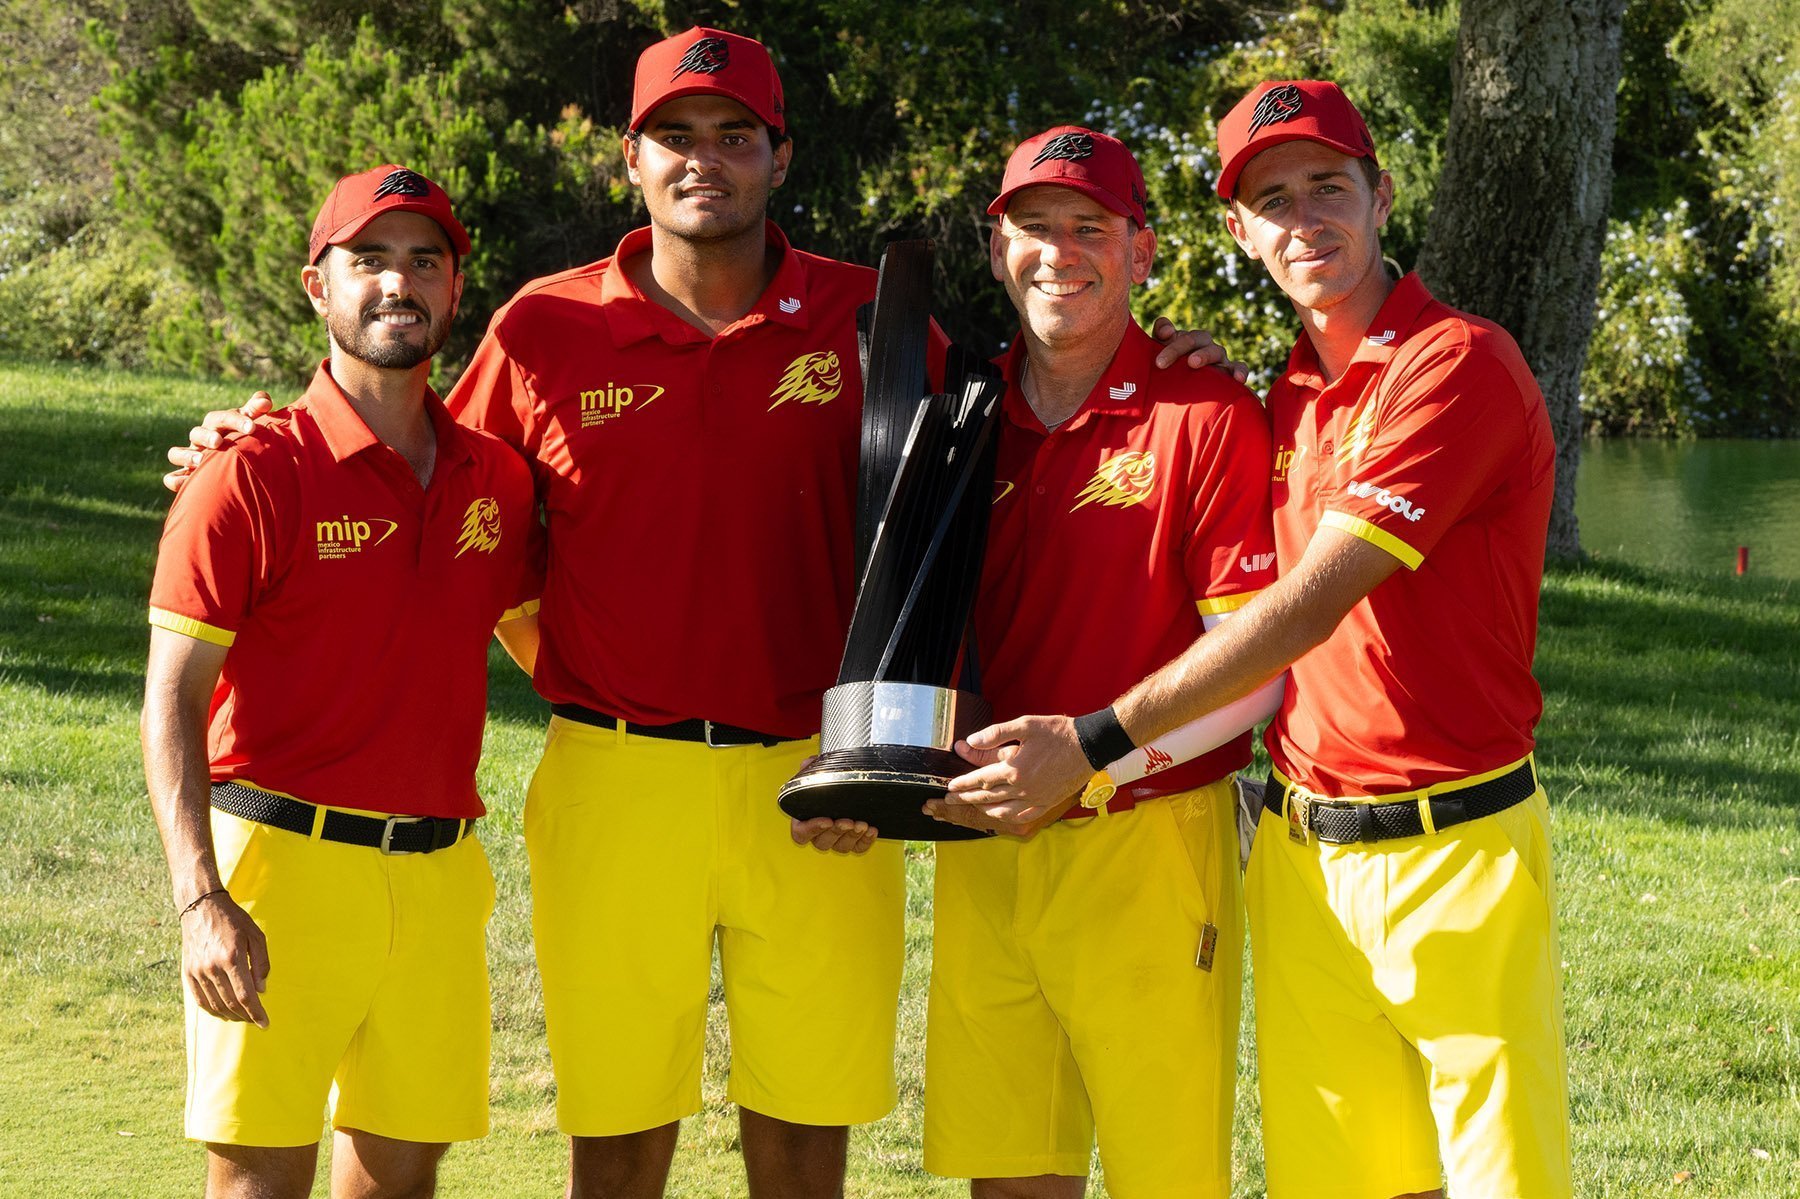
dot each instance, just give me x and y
(1099, 790)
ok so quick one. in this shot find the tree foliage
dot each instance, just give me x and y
(220, 123)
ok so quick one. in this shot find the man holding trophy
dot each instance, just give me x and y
(1086, 973)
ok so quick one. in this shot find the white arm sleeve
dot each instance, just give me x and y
(1203, 733)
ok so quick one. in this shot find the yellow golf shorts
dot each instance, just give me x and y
(643, 851)
(377, 994)
(1086, 982)
(1409, 1011)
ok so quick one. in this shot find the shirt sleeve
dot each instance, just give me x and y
(1428, 447)
(1230, 553)
(219, 549)
(494, 394)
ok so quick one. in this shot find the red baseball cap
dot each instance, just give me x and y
(1288, 111)
(359, 199)
(1094, 164)
(708, 62)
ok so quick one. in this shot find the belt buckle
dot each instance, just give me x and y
(710, 743)
(387, 834)
(1299, 816)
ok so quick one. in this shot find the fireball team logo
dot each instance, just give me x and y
(402, 183)
(480, 527)
(811, 379)
(1356, 437)
(1277, 105)
(708, 56)
(1072, 146)
(1155, 760)
(1122, 480)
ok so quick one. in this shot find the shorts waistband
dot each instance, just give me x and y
(1388, 817)
(705, 732)
(389, 834)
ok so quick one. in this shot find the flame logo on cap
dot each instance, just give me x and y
(811, 379)
(480, 527)
(708, 56)
(1071, 146)
(1278, 104)
(1122, 480)
(403, 182)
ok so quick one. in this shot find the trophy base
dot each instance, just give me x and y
(882, 785)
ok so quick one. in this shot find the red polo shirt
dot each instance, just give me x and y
(1114, 533)
(357, 605)
(700, 491)
(1434, 445)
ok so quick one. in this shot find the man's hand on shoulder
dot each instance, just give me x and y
(215, 431)
(225, 959)
(1028, 772)
(1197, 345)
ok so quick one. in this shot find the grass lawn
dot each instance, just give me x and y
(1671, 746)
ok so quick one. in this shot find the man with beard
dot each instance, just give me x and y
(313, 708)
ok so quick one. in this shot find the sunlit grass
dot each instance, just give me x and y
(1671, 747)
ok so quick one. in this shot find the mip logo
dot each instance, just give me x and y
(1071, 146)
(708, 56)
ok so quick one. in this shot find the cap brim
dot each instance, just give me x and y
(1092, 190)
(459, 237)
(1228, 177)
(637, 122)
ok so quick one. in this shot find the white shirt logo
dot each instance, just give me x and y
(1121, 394)
(1385, 498)
(791, 305)
(1381, 338)
(1251, 563)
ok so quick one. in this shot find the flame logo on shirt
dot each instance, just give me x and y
(1122, 480)
(811, 379)
(1356, 437)
(1155, 760)
(480, 527)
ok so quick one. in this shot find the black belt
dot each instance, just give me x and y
(707, 732)
(389, 834)
(1343, 821)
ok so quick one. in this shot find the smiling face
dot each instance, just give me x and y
(1068, 262)
(706, 165)
(1309, 214)
(389, 293)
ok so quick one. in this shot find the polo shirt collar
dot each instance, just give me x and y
(1120, 391)
(633, 316)
(1392, 325)
(346, 435)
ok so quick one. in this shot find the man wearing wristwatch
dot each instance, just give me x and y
(1086, 971)
(324, 595)
(1402, 907)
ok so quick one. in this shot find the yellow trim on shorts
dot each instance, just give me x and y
(187, 626)
(1356, 526)
(1219, 605)
(528, 608)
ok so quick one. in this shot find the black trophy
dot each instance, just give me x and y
(905, 691)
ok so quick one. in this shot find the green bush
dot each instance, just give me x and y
(1641, 376)
(95, 298)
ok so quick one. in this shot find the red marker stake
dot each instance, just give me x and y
(1743, 560)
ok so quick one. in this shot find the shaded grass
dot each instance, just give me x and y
(1671, 749)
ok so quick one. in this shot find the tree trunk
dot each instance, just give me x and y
(1520, 216)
